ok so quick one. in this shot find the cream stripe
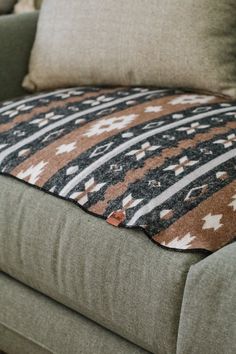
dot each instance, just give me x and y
(33, 97)
(184, 182)
(68, 119)
(118, 150)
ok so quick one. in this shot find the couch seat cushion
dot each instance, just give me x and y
(58, 330)
(116, 277)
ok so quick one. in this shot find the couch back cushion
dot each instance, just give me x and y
(175, 43)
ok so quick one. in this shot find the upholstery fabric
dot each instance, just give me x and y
(210, 327)
(6, 6)
(17, 34)
(24, 6)
(116, 277)
(31, 323)
(141, 42)
(159, 160)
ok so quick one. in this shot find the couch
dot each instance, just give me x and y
(71, 283)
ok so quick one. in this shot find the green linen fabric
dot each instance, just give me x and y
(31, 323)
(172, 43)
(6, 6)
(116, 277)
(17, 34)
(15, 343)
(208, 317)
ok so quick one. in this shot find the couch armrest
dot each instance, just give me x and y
(17, 34)
(208, 315)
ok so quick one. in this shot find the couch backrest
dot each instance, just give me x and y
(17, 33)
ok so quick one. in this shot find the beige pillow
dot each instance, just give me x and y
(27, 6)
(176, 43)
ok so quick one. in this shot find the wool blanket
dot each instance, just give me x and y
(160, 160)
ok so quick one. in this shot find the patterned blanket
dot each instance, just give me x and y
(160, 160)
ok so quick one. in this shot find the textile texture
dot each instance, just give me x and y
(65, 253)
(210, 327)
(31, 323)
(17, 34)
(140, 42)
(159, 160)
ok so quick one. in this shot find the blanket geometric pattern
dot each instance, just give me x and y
(160, 160)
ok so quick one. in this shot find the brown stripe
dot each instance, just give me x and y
(55, 163)
(20, 118)
(193, 222)
(84, 143)
(135, 175)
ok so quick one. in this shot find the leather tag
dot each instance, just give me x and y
(116, 218)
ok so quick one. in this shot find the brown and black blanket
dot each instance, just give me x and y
(160, 160)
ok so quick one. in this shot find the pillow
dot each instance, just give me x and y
(169, 43)
(27, 6)
(6, 6)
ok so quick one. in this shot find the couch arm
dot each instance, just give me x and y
(17, 34)
(208, 316)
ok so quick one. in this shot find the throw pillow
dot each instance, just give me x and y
(169, 43)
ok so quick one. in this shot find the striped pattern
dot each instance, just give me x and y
(160, 160)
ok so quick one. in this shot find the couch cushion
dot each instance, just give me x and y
(151, 42)
(116, 277)
(31, 323)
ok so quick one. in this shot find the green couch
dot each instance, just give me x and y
(71, 283)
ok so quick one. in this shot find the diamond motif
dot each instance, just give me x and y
(100, 150)
(153, 125)
(201, 109)
(53, 134)
(72, 170)
(196, 192)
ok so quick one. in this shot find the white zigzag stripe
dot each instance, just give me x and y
(119, 149)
